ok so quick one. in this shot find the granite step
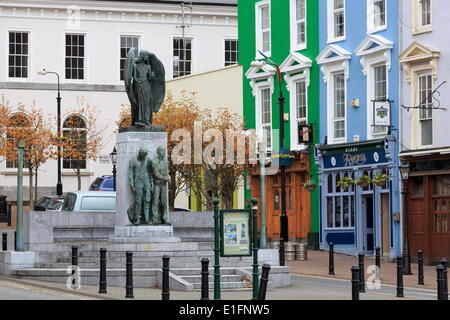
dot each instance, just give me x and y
(223, 278)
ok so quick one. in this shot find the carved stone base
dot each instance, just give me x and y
(145, 234)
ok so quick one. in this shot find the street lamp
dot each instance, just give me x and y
(113, 156)
(283, 218)
(404, 172)
(59, 187)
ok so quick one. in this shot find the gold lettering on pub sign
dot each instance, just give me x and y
(354, 159)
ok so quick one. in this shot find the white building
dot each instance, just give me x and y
(85, 42)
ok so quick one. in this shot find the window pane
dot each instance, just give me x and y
(330, 212)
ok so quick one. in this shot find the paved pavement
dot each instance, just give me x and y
(317, 265)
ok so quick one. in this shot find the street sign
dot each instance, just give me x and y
(305, 134)
(235, 233)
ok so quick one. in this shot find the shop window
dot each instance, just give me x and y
(340, 203)
(276, 200)
(330, 210)
(442, 186)
(330, 183)
(338, 178)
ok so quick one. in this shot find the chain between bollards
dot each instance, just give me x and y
(400, 293)
(5, 241)
(165, 294)
(205, 279)
(331, 259)
(362, 281)
(74, 262)
(264, 281)
(420, 273)
(129, 276)
(102, 282)
(355, 283)
(444, 263)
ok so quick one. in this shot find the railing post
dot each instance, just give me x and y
(129, 276)
(440, 282)
(331, 259)
(165, 294)
(217, 293)
(400, 293)
(102, 282)
(254, 212)
(74, 262)
(362, 281)
(5, 241)
(420, 262)
(264, 281)
(444, 263)
(355, 283)
(378, 257)
(205, 279)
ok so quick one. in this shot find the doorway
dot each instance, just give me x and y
(368, 226)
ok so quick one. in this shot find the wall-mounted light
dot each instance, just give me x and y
(355, 103)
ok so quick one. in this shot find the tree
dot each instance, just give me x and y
(29, 124)
(225, 153)
(173, 115)
(81, 137)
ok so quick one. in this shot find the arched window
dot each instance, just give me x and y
(74, 145)
(17, 121)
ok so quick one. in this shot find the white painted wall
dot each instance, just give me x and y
(103, 22)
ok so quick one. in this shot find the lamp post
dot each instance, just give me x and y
(404, 172)
(113, 156)
(283, 218)
(20, 144)
(59, 187)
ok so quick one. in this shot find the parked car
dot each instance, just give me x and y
(90, 201)
(103, 183)
(41, 204)
(180, 209)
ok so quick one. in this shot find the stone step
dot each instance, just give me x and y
(225, 285)
(223, 278)
(186, 272)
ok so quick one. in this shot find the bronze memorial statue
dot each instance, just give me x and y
(145, 86)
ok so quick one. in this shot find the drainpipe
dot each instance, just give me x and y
(262, 203)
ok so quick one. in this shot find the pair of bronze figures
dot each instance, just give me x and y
(148, 179)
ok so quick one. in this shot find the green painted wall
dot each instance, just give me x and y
(280, 33)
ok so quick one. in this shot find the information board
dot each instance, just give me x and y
(235, 233)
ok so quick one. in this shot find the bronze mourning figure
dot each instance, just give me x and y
(145, 86)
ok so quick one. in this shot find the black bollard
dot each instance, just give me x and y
(362, 281)
(378, 257)
(420, 262)
(74, 262)
(129, 276)
(400, 278)
(102, 283)
(440, 282)
(331, 259)
(165, 278)
(355, 283)
(263, 282)
(444, 263)
(205, 279)
(5, 241)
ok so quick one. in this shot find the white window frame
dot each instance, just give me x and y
(140, 46)
(85, 58)
(331, 106)
(294, 22)
(418, 27)
(259, 125)
(259, 31)
(330, 22)
(371, 27)
(424, 73)
(371, 96)
(30, 70)
(294, 121)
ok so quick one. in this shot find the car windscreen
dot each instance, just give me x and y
(42, 202)
(97, 182)
(92, 203)
(55, 204)
(69, 202)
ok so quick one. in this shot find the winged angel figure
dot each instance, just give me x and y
(145, 86)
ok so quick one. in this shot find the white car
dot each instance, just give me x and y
(90, 201)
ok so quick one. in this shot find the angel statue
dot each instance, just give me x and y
(145, 86)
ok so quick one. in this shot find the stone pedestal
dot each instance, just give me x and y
(128, 145)
(138, 234)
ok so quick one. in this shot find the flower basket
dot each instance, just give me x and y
(283, 160)
(310, 185)
(345, 183)
(364, 181)
(381, 180)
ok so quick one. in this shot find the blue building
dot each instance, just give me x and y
(359, 103)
